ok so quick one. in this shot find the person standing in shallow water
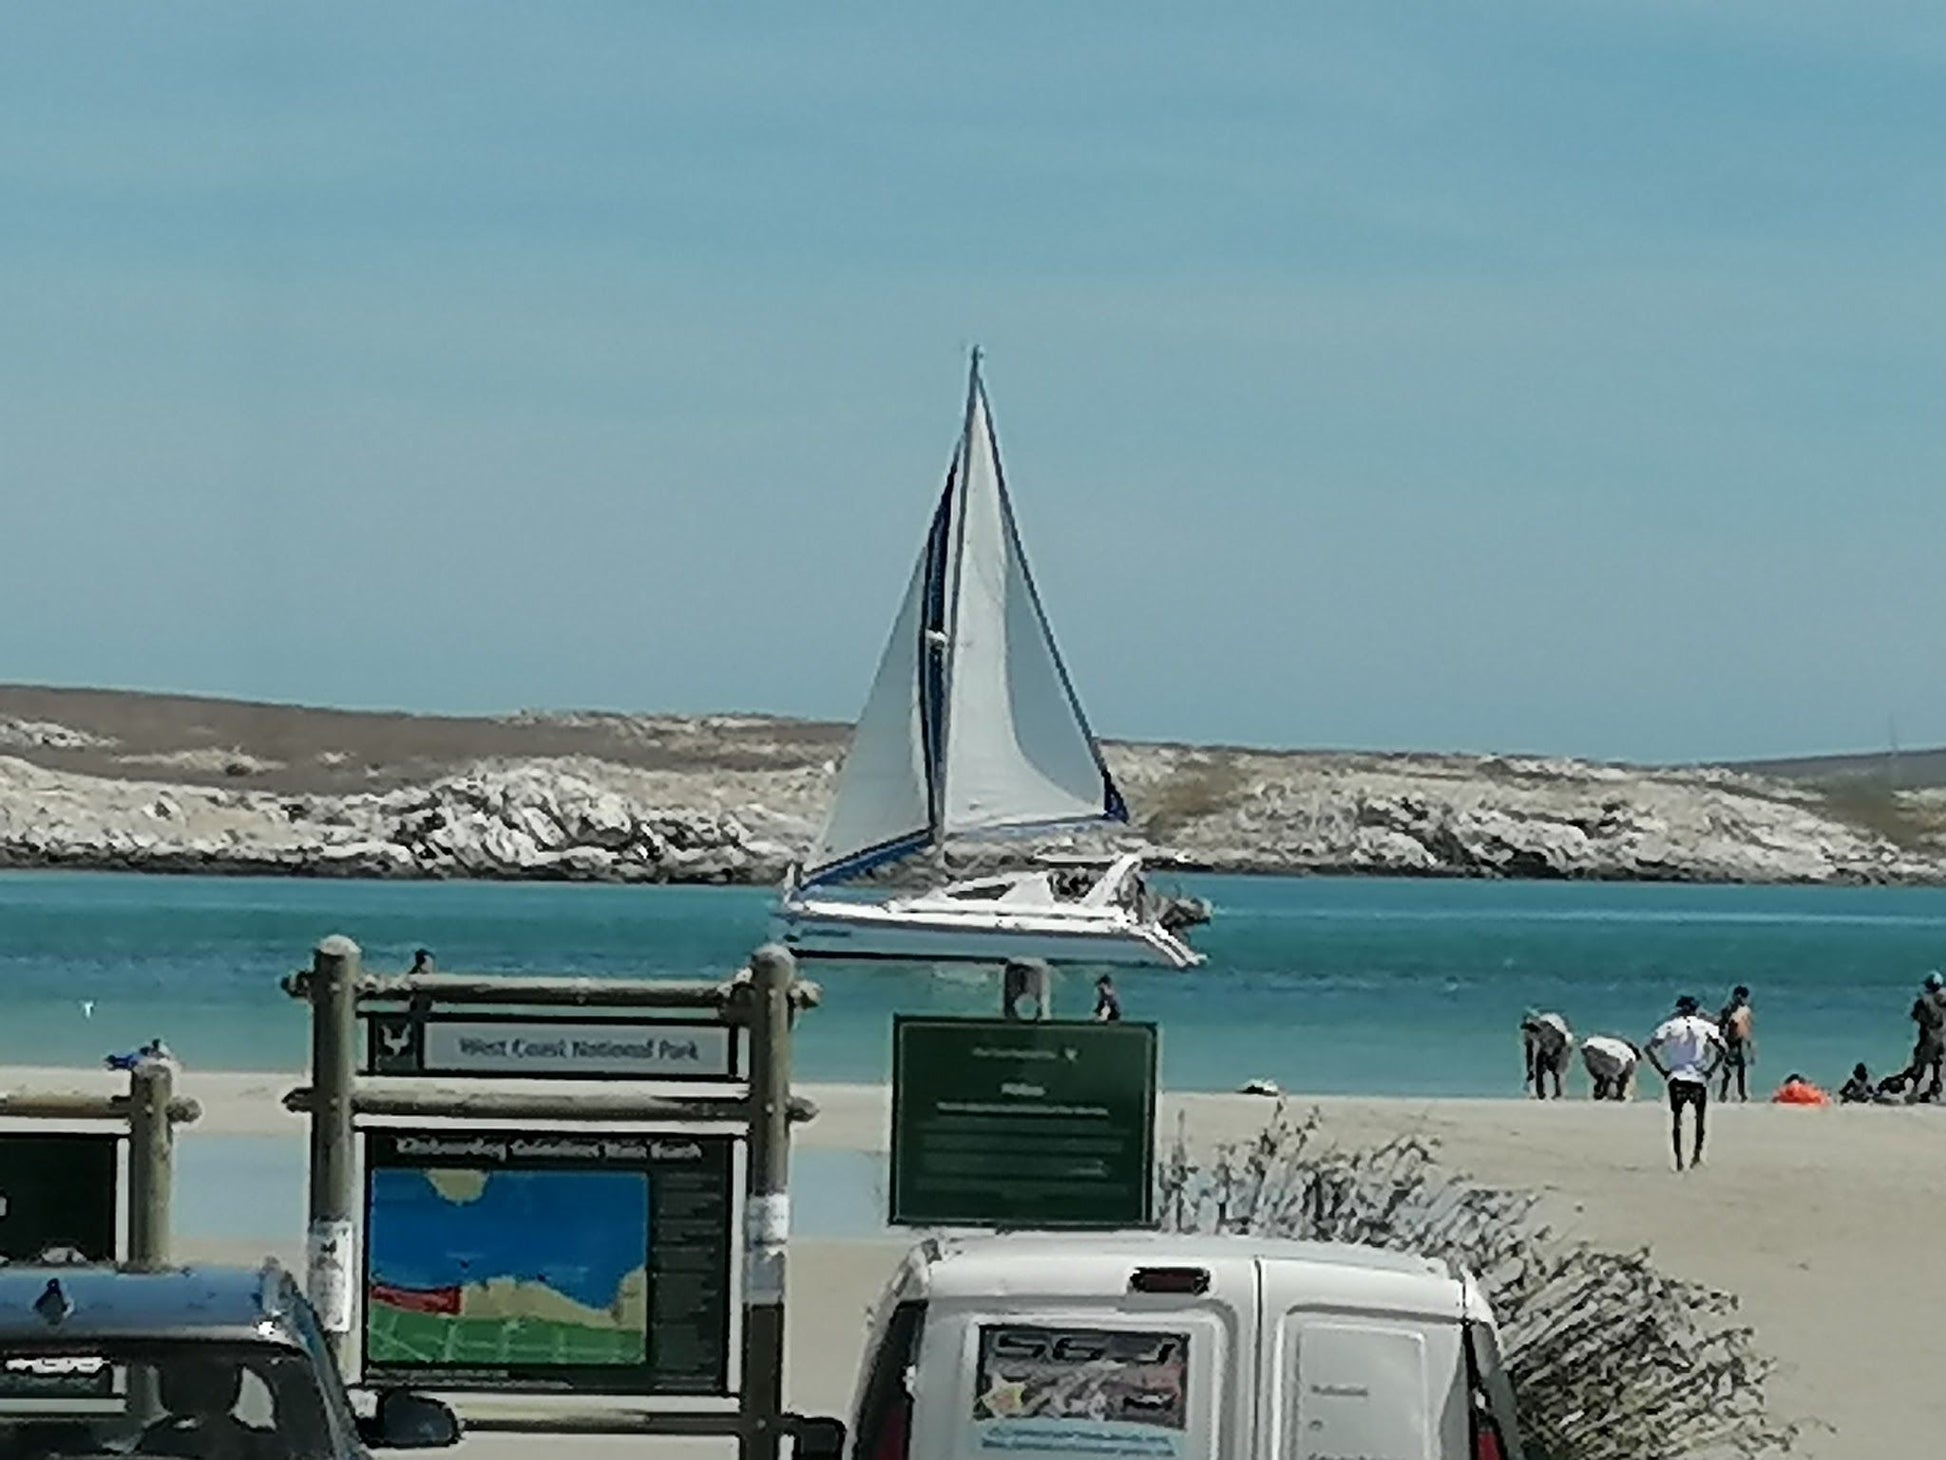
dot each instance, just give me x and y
(1108, 1003)
(1736, 1025)
(1685, 1050)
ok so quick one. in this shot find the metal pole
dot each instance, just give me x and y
(151, 1165)
(331, 1246)
(767, 1211)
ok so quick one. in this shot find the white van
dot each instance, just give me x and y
(1154, 1346)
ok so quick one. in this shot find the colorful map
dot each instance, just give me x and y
(508, 1268)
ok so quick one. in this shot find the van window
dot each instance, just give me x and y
(885, 1406)
(1361, 1390)
(1065, 1391)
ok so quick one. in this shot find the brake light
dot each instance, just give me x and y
(895, 1431)
(1486, 1441)
(1169, 1280)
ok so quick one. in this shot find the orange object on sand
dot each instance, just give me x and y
(1799, 1092)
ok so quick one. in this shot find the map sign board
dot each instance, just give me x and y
(592, 1262)
(531, 1047)
(59, 1189)
(1011, 1124)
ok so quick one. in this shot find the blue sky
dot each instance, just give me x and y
(1558, 376)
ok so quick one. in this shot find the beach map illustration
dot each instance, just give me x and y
(522, 1269)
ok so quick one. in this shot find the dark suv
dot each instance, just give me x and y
(215, 1363)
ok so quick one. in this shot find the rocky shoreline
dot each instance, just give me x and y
(733, 800)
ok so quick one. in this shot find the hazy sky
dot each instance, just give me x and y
(1557, 376)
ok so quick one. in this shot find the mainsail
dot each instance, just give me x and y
(971, 725)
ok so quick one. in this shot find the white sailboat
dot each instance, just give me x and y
(971, 728)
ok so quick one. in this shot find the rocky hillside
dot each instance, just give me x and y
(154, 783)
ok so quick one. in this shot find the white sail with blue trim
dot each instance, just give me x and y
(883, 806)
(972, 725)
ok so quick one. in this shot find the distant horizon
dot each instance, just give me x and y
(434, 713)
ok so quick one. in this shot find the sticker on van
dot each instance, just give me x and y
(1110, 1392)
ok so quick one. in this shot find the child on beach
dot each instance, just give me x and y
(1686, 1050)
(1858, 1089)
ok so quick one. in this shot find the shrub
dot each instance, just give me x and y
(1610, 1359)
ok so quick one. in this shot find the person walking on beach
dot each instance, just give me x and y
(1546, 1040)
(1108, 1003)
(1929, 1046)
(1735, 1024)
(1611, 1066)
(1685, 1050)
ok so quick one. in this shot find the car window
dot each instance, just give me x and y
(255, 1405)
(212, 1401)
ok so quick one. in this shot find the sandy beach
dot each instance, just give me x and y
(1820, 1221)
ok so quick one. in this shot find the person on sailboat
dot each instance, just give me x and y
(1025, 979)
(1108, 1003)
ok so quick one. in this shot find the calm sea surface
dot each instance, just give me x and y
(1325, 985)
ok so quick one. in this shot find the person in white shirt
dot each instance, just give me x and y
(1611, 1065)
(1686, 1051)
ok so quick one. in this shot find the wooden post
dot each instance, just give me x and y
(151, 1164)
(767, 1210)
(330, 1255)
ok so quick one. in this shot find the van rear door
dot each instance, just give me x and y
(1337, 1382)
(1121, 1372)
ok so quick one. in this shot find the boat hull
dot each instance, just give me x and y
(865, 931)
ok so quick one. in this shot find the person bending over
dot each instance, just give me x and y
(1686, 1050)
(1546, 1040)
(1611, 1065)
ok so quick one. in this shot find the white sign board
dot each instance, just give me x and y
(330, 1250)
(594, 1050)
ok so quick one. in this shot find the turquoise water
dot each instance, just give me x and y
(1325, 985)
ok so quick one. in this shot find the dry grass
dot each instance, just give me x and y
(1610, 1360)
(1880, 810)
(1197, 788)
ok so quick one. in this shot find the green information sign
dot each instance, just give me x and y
(58, 1189)
(997, 1123)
